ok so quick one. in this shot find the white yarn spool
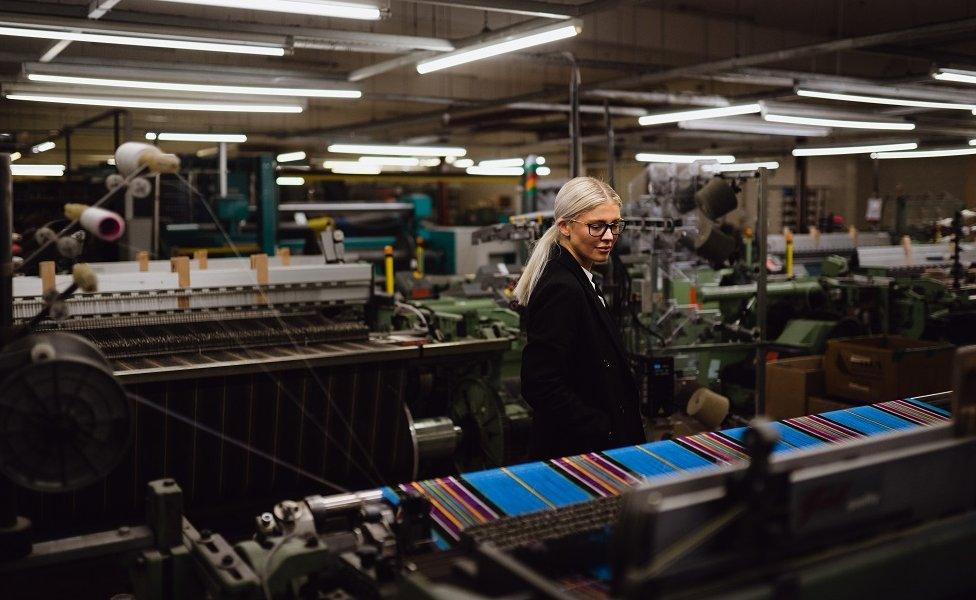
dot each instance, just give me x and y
(708, 407)
(132, 155)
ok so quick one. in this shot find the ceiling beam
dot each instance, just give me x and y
(796, 52)
(529, 8)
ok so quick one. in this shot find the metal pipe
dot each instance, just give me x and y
(67, 152)
(761, 235)
(575, 143)
(155, 219)
(222, 168)
(6, 249)
(611, 146)
(800, 195)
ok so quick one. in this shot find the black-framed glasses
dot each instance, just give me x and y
(598, 229)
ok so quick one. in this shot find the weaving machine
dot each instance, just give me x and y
(245, 378)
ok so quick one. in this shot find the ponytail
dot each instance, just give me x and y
(536, 264)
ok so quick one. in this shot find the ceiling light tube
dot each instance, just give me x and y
(143, 41)
(543, 171)
(197, 87)
(290, 181)
(291, 156)
(887, 101)
(843, 123)
(396, 150)
(865, 149)
(495, 171)
(393, 161)
(351, 167)
(321, 8)
(956, 75)
(502, 162)
(700, 113)
(158, 104)
(683, 158)
(732, 167)
(16, 156)
(753, 125)
(510, 43)
(925, 153)
(463, 163)
(42, 147)
(37, 170)
(230, 138)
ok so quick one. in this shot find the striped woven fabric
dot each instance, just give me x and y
(472, 498)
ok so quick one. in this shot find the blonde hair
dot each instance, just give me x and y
(576, 197)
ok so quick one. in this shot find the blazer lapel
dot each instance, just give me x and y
(574, 267)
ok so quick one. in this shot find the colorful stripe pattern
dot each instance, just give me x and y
(458, 502)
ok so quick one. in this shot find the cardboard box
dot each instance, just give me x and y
(788, 384)
(882, 368)
(822, 404)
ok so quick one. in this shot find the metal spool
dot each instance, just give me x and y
(495, 433)
(65, 422)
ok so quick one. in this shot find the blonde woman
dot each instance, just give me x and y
(575, 371)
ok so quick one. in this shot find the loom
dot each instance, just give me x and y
(271, 351)
(849, 502)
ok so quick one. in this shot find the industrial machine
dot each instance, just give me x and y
(846, 503)
(244, 378)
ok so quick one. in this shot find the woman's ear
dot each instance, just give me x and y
(563, 228)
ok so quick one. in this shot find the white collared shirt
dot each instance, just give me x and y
(589, 276)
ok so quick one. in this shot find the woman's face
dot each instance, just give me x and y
(587, 248)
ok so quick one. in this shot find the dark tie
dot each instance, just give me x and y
(599, 291)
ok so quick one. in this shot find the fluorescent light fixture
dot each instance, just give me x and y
(495, 171)
(208, 152)
(290, 181)
(881, 100)
(957, 75)
(732, 167)
(925, 153)
(700, 113)
(392, 161)
(143, 41)
(844, 123)
(543, 171)
(158, 104)
(511, 43)
(396, 150)
(866, 149)
(110, 162)
(42, 147)
(540, 160)
(753, 125)
(230, 138)
(430, 162)
(37, 170)
(450, 159)
(16, 156)
(463, 163)
(624, 111)
(351, 167)
(321, 8)
(683, 158)
(197, 87)
(502, 162)
(291, 156)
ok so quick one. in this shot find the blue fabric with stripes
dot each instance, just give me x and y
(506, 493)
(549, 484)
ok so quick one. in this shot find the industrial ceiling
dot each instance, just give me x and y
(634, 58)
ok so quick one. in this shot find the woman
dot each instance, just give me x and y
(575, 371)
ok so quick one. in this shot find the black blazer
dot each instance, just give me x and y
(575, 372)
